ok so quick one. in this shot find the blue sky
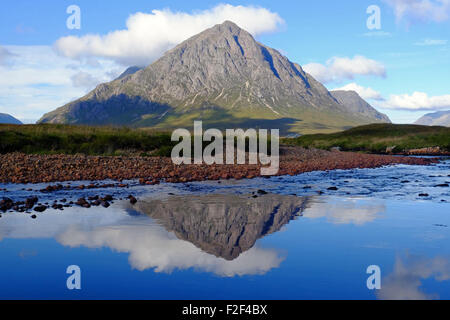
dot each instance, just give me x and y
(401, 69)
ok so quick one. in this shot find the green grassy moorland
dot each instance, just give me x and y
(68, 139)
(376, 138)
(91, 140)
(88, 140)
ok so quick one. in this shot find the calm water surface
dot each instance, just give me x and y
(213, 240)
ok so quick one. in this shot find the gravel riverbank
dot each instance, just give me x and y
(22, 168)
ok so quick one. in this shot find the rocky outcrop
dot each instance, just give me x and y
(426, 151)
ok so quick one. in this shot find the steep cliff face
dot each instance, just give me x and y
(221, 76)
(224, 225)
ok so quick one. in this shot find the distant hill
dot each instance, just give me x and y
(357, 105)
(7, 119)
(224, 77)
(441, 118)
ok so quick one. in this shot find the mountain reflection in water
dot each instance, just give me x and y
(212, 233)
(224, 225)
(215, 233)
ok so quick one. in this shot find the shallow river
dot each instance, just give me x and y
(211, 240)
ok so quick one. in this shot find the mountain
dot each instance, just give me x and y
(7, 119)
(222, 76)
(441, 118)
(358, 105)
(129, 71)
(224, 225)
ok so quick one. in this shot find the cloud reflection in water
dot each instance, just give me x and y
(405, 282)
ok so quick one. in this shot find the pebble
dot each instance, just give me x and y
(40, 208)
(133, 200)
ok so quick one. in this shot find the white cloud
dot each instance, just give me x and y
(405, 281)
(338, 69)
(412, 11)
(152, 247)
(148, 244)
(149, 35)
(55, 222)
(4, 55)
(85, 80)
(345, 211)
(365, 93)
(432, 42)
(36, 80)
(416, 101)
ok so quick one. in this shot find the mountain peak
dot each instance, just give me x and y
(229, 24)
(225, 29)
(221, 75)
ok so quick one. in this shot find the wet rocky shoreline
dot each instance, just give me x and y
(32, 205)
(59, 171)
